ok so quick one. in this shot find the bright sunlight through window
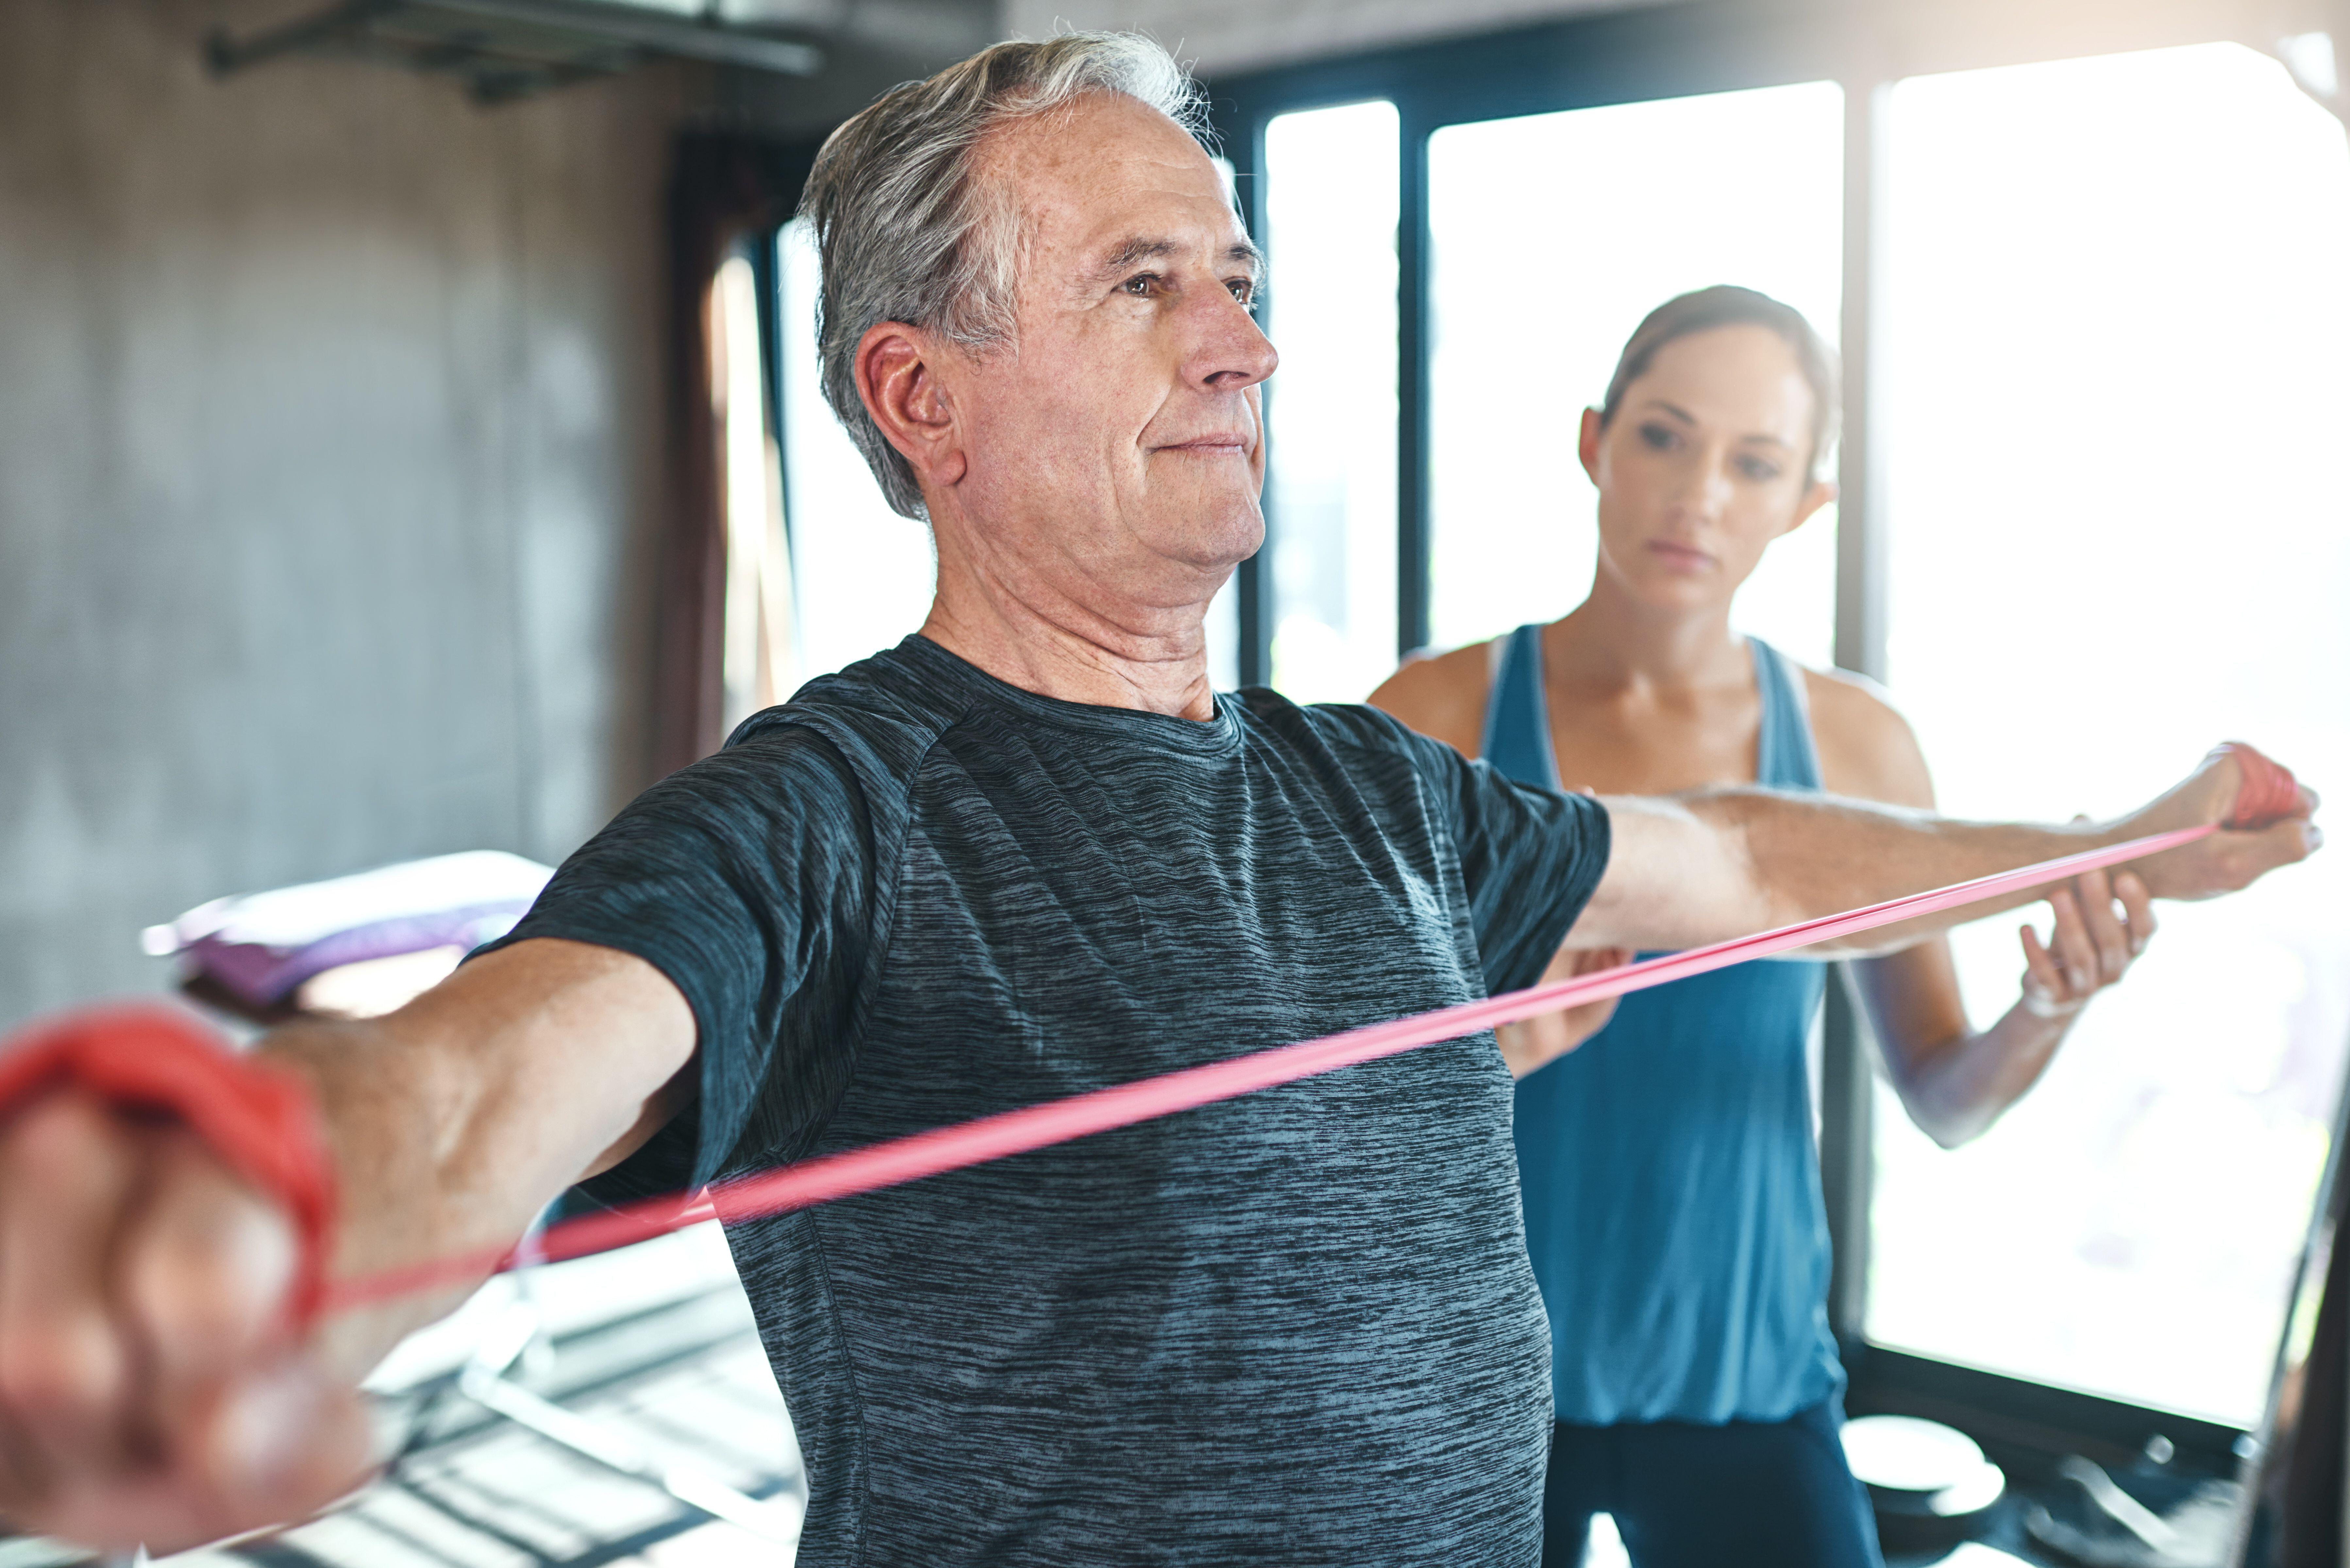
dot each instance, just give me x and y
(1554, 234)
(1330, 223)
(2115, 400)
(864, 573)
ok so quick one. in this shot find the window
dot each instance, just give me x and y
(1553, 234)
(2088, 530)
(864, 573)
(2115, 338)
(761, 652)
(1330, 232)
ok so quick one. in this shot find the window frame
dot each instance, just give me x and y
(1685, 49)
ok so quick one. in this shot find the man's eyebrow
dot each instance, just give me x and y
(1143, 248)
(1135, 250)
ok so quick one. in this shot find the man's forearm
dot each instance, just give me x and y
(454, 1120)
(1716, 864)
(1812, 854)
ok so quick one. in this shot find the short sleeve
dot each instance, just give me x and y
(1531, 858)
(748, 880)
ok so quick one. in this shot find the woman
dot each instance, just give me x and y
(1670, 1180)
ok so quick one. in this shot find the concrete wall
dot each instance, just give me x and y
(330, 449)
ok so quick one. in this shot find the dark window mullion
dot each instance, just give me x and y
(1848, 1097)
(1412, 490)
(1253, 581)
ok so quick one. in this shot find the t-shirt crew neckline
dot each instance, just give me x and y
(1217, 737)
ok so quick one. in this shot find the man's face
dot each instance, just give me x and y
(1119, 440)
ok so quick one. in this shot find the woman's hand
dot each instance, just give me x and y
(1537, 1042)
(2092, 946)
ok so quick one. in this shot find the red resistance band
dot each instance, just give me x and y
(265, 1126)
(259, 1118)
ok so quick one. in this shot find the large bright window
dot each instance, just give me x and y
(864, 573)
(1330, 234)
(2115, 345)
(760, 652)
(1553, 235)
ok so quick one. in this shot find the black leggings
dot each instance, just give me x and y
(1759, 1494)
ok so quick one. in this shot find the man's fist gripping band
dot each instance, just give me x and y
(259, 1119)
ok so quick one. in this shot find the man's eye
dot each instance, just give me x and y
(1140, 284)
(1242, 289)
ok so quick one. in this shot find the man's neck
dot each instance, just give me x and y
(1026, 635)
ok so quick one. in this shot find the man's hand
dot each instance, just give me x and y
(2228, 861)
(150, 1390)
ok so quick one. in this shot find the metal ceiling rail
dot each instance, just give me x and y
(511, 48)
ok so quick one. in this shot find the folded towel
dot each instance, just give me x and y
(261, 946)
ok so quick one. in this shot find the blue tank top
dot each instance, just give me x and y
(1671, 1177)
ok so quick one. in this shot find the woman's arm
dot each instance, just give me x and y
(1954, 1080)
(1441, 695)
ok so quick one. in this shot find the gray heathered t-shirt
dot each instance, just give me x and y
(1295, 1327)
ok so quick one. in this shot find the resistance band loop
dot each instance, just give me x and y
(1007, 1133)
(262, 1122)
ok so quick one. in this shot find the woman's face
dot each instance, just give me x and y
(1707, 462)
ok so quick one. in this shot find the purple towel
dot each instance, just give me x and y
(261, 946)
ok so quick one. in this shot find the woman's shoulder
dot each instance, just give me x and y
(1442, 695)
(1867, 748)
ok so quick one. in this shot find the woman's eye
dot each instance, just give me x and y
(1657, 438)
(1760, 470)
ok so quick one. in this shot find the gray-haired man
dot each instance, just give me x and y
(1026, 853)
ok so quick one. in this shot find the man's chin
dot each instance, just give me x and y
(1215, 532)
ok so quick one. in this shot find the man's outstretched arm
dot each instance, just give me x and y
(147, 1390)
(1715, 863)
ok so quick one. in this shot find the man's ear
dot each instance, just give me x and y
(1821, 492)
(1587, 445)
(898, 380)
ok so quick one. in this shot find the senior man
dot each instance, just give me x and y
(1025, 853)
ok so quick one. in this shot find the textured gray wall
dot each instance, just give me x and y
(330, 449)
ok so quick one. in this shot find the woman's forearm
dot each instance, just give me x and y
(1955, 1090)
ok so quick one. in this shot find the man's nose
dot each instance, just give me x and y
(1232, 353)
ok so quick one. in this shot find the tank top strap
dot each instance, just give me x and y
(1517, 714)
(1786, 756)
